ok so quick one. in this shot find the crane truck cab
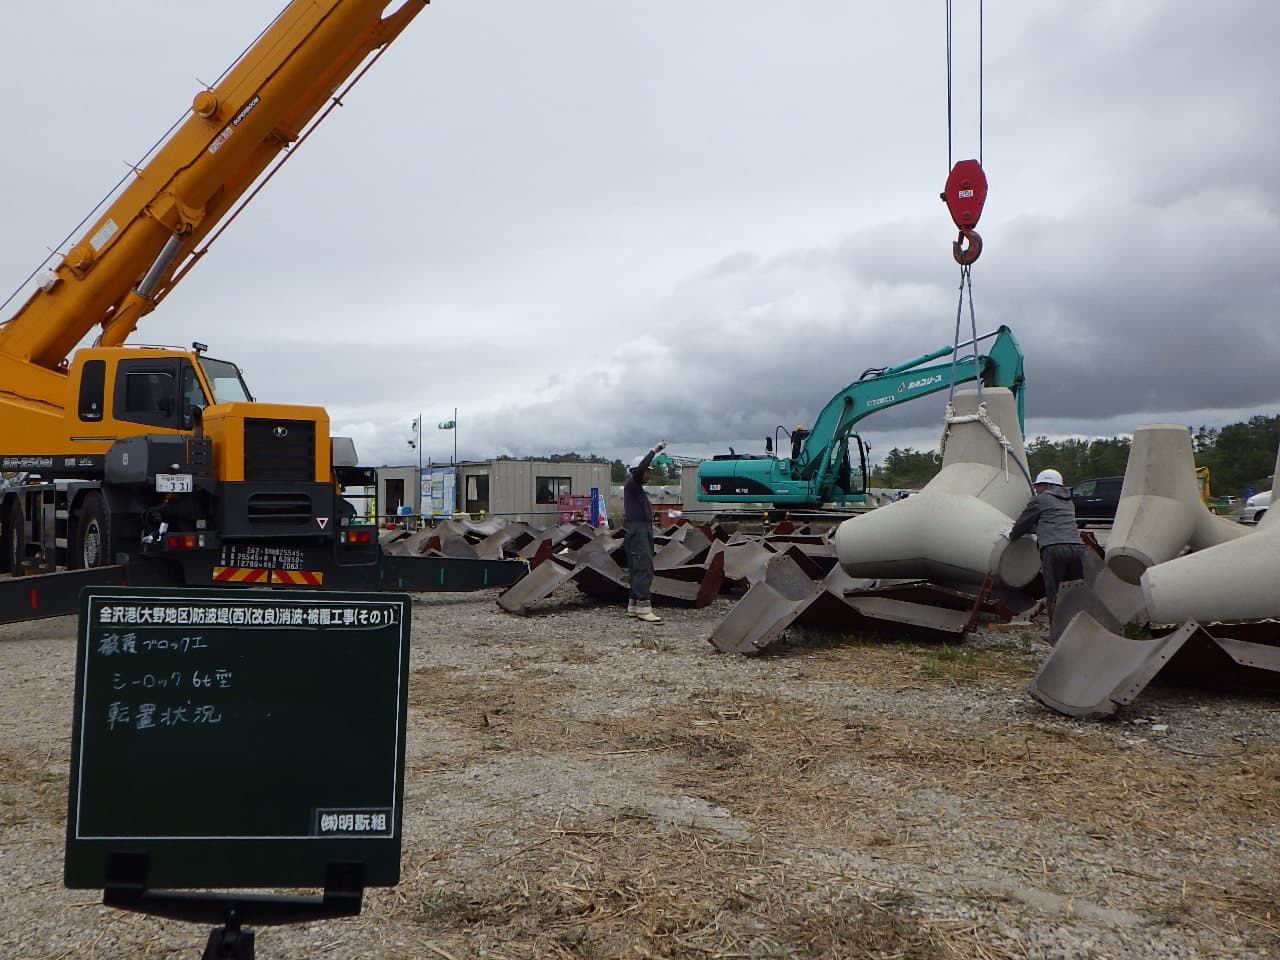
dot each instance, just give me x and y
(172, 459)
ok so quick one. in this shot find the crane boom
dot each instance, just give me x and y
(128, 259)
(159, 457)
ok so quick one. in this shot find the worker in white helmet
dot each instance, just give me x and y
(1051, 516)
(637, 514)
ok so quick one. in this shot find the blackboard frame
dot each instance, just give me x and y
(198, 740)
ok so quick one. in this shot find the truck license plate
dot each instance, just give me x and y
(173, 483)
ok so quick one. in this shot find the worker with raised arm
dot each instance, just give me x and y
(1051, 516)
(637, 514)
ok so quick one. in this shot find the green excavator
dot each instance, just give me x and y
(820, 472)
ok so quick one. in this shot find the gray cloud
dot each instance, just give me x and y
(588, 225)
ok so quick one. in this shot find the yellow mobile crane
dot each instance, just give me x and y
(160, 457)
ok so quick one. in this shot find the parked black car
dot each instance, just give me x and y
(1095, 500)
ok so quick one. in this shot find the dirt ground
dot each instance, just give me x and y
(582, 785)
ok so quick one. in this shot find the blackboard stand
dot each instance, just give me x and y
(126, 889)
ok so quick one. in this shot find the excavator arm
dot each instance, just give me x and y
(148, 236)
(881, 388)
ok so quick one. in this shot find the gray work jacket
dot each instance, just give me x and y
(1051, 516)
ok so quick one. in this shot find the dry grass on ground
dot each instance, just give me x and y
(33, 785)
(810, 827)
(811, 777)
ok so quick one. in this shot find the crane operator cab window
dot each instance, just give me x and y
(224, 377)
(157, 392)
(193, 397)
(166, 391)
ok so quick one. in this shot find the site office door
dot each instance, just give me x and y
(393, 496)
(476, 493)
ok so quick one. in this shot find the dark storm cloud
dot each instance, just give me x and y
(588, 225)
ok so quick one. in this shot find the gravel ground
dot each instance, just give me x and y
(582, 785)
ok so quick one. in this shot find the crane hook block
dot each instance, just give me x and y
(965, 193)
(966, 255)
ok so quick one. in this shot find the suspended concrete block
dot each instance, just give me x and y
(952, 530)
(1160, 513)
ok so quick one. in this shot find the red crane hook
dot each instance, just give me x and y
(964, 194)
(966, 255)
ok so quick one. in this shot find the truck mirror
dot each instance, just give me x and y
(768, 445)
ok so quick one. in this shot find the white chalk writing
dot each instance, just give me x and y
(110, 644)
(352, 616)
(219, 678)
(122, 715)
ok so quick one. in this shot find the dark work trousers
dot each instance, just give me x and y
(639, 544)
(1060, 562)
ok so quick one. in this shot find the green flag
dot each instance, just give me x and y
(447, 424)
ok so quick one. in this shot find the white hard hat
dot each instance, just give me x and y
(635, 462)
(1049, 476)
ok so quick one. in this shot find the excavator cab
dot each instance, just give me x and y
(851, 483)
(798, 436)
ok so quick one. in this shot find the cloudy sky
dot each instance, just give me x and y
(587, 225)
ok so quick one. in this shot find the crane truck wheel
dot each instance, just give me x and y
(14, 539)
(92, 546)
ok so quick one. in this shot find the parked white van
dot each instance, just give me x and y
(1255, 507)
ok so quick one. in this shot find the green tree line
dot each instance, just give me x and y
(1239, 456)
(661, 471)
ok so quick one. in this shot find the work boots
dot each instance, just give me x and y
(644, 611)
(631, 607)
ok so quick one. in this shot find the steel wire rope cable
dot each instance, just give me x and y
(966, 282)
(335, 100)
(966, 272)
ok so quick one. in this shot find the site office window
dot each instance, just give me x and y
(546, 489)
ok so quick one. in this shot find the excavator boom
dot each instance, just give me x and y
(818, 471)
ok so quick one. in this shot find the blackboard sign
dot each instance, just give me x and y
(238, 737)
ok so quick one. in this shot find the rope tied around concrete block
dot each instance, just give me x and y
(980, 416)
